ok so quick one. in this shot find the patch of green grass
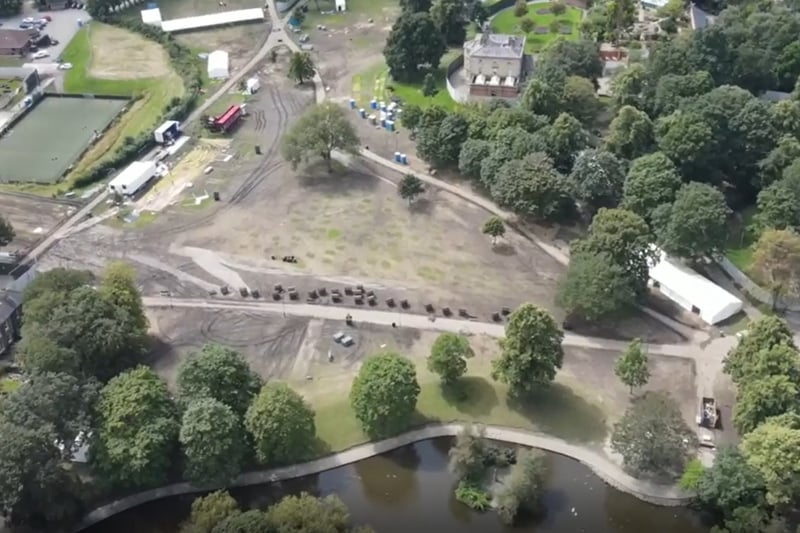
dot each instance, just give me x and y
(742, 236)
(375, 83)
(507, 22)
(557, 411)
(144, 218)
(431, 274)
(11, 61)
(333, 234)
(9, 385)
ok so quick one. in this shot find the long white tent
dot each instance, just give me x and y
(692, 291)
(215, 19)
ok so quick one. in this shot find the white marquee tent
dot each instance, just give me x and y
(218, 65)
(692, 291)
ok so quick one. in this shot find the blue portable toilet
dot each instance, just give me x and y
(397, 157)
(352, 103)
(383, 123)
(362, 113)
(152, 5)
(373, 104)
(390, 125)
(404, 158)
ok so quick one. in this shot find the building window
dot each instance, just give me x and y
(695, 310)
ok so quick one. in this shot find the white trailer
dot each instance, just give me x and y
(133, 178)
(167, 132)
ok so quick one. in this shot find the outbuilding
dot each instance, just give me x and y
(218, 65)
(692, 291)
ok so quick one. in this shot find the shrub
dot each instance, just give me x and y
(473, 496)
(558, 8)
(520, 8)
(527, 25)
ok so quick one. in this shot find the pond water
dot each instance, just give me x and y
(410, 489)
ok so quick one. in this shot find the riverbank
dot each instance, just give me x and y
(603, 467)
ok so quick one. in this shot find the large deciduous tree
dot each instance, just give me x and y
(532, 187)
(414, 42)
(319, 131)
(308, 514)
(652, 181)
(35, 489)
(448, 357)
(579, 99)
(577, 58)
(301, 67)
(248, 522)
(773, 449)
(762, 398)
(208, 511)
(767, 348)
(597, 178)
(563, 140)
(540, 98)
(410, 188)
(595, 287)
(730, 483)
(219, 373)
(440, 144)
(779, 204)
(10, 8)
(282, 425)
(494, 227)
(60, 402)
(531, 351)
(213, 443)
(630, 134)
(625, 237)
(631, 367)
(137, 429)
(384, 394)
(472, 154)
(688, 140)
(451, 18)
(118, 286)
(696, 224)
(776, 261)
(652, 436)
(7, 233)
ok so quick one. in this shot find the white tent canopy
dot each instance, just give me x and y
(218, 65)
(692, 291)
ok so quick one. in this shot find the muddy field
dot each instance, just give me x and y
(32, 217)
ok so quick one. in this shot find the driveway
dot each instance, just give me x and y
(63, 27)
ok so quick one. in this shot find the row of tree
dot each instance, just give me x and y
(750, 487)
(218, 512)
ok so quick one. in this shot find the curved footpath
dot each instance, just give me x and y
(602, 466)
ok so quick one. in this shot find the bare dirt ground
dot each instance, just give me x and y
(32, 217)
(240, 41)
(143, 58)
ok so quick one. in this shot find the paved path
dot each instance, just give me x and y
(602, 466)
(404, 320)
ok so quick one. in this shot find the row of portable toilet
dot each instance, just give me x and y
(386, 122)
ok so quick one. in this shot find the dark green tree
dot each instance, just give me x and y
(137, 429)
(410, 188)
(448, 357)
(9, 8)
(762, 398)
(773, 450)
(7, 233)
(532, 187)
(767, 348)
(595, 287)
(282, 425)
(652, 436)
(384, 394)
(563, 140)
(579, 98)
(576, 58)
(597, 178)
(630, 134)
(631, 367)
(118, 286)
(730, 483)
(414, 40)
(247, 522)
(219, 373)
(652, 181)
(531, 351)
(429, 86)
(540, 98)
(308, 514)
(472, 154)
(451, 19)
(319, 131)
(213, 443)
(525, 487)
(696, 224)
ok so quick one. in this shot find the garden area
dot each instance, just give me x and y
(742, 237)
(540, 22)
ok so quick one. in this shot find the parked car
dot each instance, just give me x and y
(24, 25)
(28, 20)
(41, 54)
(64, 66)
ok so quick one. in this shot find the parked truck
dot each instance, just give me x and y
(708, 414)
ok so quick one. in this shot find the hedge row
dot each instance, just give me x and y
(188, 68)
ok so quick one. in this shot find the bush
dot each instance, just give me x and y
(527, 25)
(520, 8)
(558, 8)
(182, 60)
(473, 496)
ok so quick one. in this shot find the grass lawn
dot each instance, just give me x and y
(558, 411)
(742, 237)
(506, 22)
(9, 385)
(11, 61)
(152, 95)
(376, 83)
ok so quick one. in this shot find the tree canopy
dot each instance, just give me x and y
(208, 511)
(595, 287)
(282, 425)
(773, 450)
(414, 40)
(137, 430)
(384, 394)
(652, 436)
(531, 186)
(319, 131)
(531, 351)
(776, 260)
(219, 373)
(213, 443)
(524, 488)
(631, 367)
(767, 348)
(597, 178)
(301, 67)
(448, 357)
(730, 483)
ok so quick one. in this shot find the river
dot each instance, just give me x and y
(410, 490)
